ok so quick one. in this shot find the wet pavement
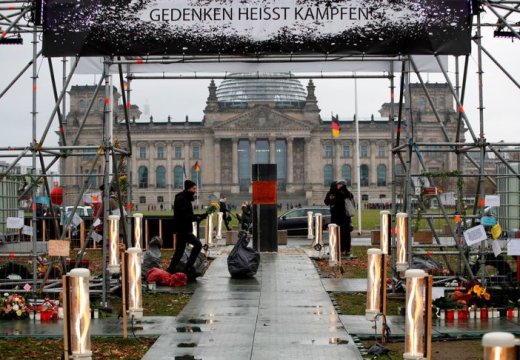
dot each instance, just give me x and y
(282, 313)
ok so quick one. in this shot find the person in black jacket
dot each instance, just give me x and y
(225, 212)
(183, 217)
(335, 198)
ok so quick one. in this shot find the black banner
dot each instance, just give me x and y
(251, 27)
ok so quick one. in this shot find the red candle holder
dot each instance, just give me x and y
(462, 314)
(510, 313)
(450, 315)
(46, 315)
(483, 314)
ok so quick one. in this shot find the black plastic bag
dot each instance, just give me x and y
(243, 261)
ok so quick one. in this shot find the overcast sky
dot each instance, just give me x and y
(179, 98)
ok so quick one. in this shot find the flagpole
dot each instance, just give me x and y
(333, 146)
(358, 167)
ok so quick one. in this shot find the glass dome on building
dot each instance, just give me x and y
(245, 88)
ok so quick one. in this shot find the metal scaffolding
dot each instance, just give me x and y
(17, 23)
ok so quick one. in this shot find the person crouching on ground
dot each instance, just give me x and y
(183, 217)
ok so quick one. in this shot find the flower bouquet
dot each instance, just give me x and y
(212, 208)
(14, 307)
(49, 310)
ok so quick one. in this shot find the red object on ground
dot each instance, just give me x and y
(57, 196)
(162, 277)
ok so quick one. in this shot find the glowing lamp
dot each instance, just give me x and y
(499, 346)
(385, 224)
(138, 230)
(318, 228)
(373, 283)
(220, 219)
(310, 232)
(401, 223)
(135, 299)
(113, 244)
(209, 230)
(79, 318)
(414, 341)
(334, 245)
(195, 230)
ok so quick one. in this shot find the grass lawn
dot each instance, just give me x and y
(355, 304)
(102, 348)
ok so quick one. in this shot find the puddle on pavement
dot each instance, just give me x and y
(188, 329)
(201, 321)
(187, 357)
(185, 345)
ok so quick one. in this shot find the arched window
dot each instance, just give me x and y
(381, 175)
(143, 177)
(160, 177)
(346, 173)
(364, 175)
(178, 177)
(327, 175)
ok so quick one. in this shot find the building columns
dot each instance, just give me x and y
(216, 164)
(234, 159)
(272, 150)
(290, 179)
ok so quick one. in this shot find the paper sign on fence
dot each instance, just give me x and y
(513, 247)
(27, 230)
(492, 200)
(59, 248)
(14, 223)
(475, 235)
(497, 250)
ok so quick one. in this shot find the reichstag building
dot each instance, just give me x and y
(247, 121)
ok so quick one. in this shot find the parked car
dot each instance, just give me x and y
(295, 220)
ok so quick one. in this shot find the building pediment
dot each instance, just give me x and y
(263, 119)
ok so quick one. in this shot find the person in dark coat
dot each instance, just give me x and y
(183, 217)
(335, 198)
(225, 212)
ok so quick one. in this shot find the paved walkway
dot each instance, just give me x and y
(283, 313)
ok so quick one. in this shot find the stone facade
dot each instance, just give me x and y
(231, 137)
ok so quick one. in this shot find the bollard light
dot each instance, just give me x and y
(414, 341)
(209, 229)
(138, 230)
(318, 228)
(79, 318)
(401, 223)
(310, 232)
(113, 244)
(195, 229)
(334, 245)
(135, 299)
(220, 219)
(499, 346)
(373, 283)
(385, 224)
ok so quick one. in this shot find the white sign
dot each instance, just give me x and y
(492, 200)
(14, 223)
(97, 222)
(497, 250)
(475, 235)
(76, 219)
(96, 237)
(513, 247)
(448, 198)
(21, 214)
(27, 230)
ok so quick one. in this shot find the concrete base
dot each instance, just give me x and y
(231, 237)
(282, 237)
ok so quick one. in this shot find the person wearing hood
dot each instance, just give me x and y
(335, 198)
(183, 217)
